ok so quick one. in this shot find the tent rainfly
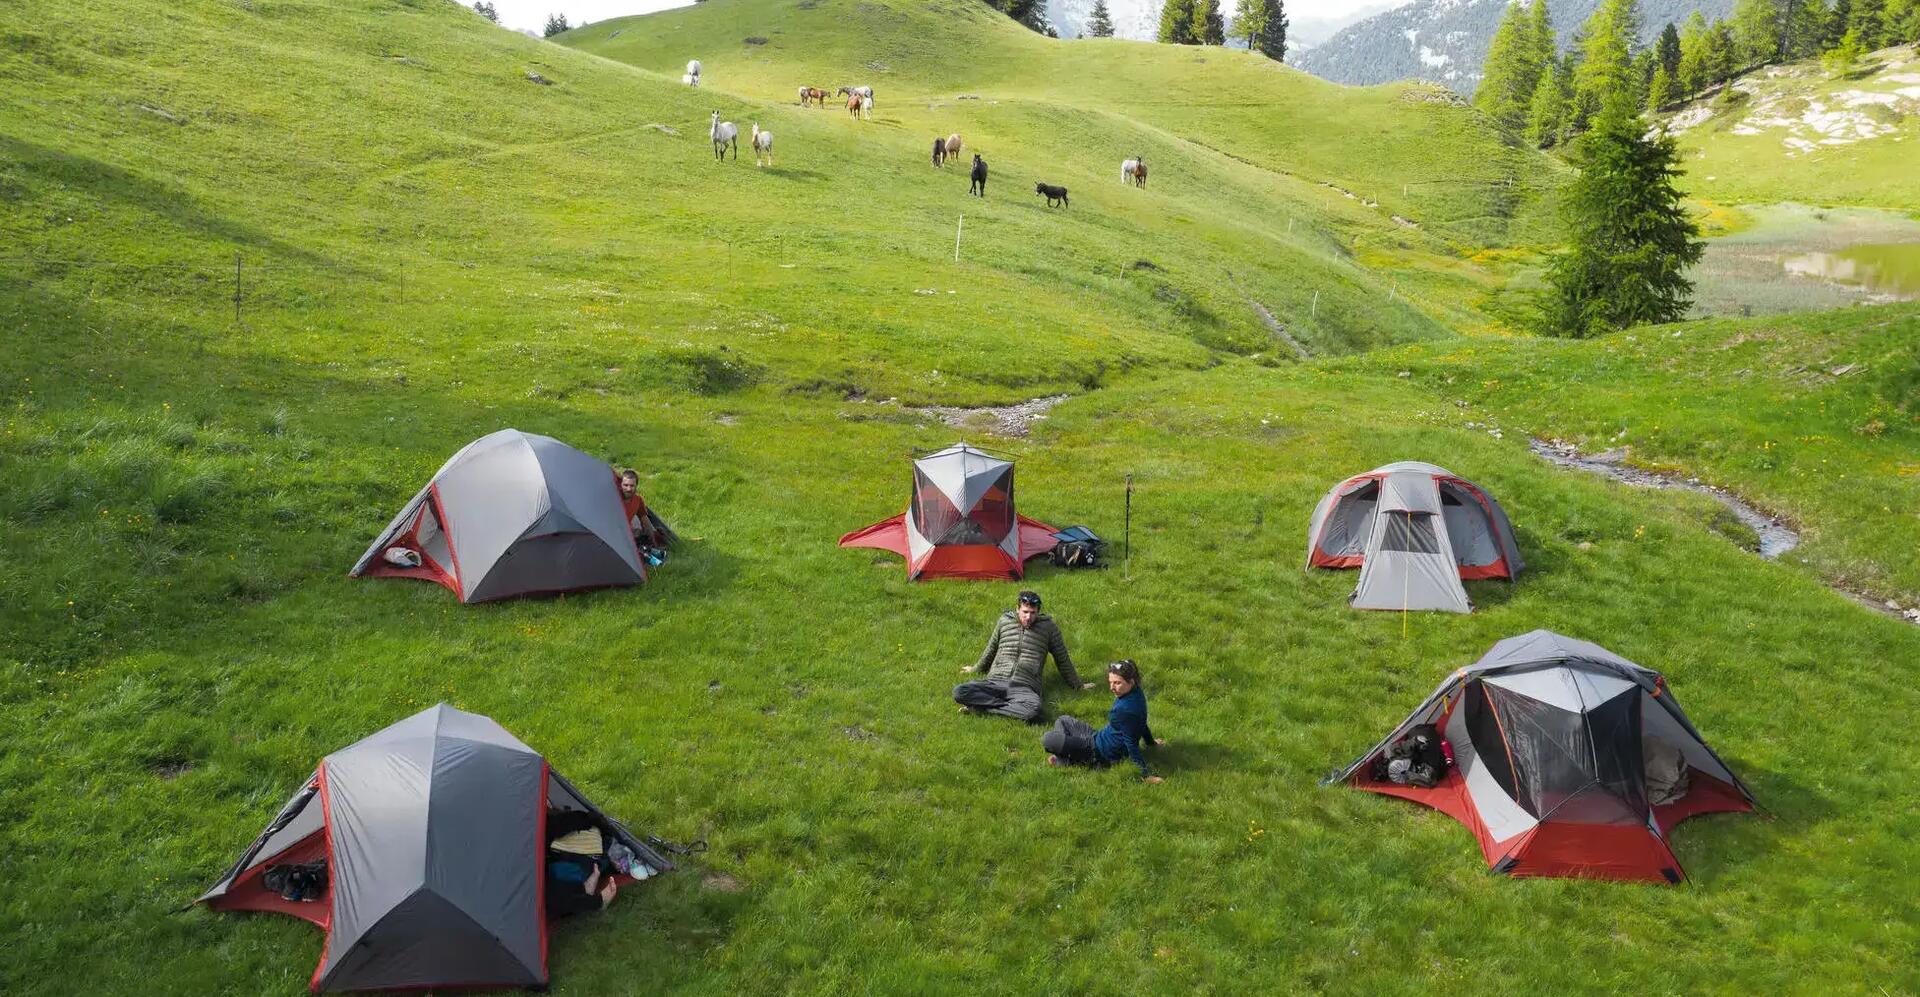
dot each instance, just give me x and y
(1414, 530)
(513, 514)
(434, 836)
(1568, 760)
(960, 520)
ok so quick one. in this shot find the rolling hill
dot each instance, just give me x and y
(1799, 132)
(268, 263)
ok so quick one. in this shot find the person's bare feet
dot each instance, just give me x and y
(1053, 760)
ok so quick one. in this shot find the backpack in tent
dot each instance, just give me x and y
(1415, 531)
(420, 852)
(512, 514)
(1078, 547)
(960, 520)
(1551, 769)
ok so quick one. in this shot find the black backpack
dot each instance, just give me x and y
(298, 882)
(1078, 547)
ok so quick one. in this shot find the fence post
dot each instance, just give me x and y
(236, 287)
(956, 236)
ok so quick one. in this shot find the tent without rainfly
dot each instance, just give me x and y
(1568, 760)
(1414, 530)
(960, 520)
(513, 514)
(434, 836)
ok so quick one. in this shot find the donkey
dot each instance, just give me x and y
(1134, 171)
(724, 134)
(762, 146)
(1051, 193)
(979, 184)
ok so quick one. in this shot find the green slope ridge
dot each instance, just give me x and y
(433, 246)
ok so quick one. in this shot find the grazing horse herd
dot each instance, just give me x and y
(726, 135)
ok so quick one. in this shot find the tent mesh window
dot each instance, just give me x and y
(1410, 532)
(994, 514)
(934, 515)
(1489, 745)
(1575, 767)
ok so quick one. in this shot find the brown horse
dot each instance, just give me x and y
(813, 95)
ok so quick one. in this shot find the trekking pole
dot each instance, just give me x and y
(1126, 541)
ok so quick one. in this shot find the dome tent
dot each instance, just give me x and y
(513, 514)
(960, 520)
(1415, 530)
(434, 835)
(1553, 741)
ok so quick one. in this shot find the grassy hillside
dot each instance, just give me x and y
(1799, 132)
(1814, 417)
(434, 246)
(1415, 150)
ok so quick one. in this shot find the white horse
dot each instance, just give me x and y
(693, 69)
(1134, 171)
(866, 106)
(762, 146)
(690, 80)
(724, 134)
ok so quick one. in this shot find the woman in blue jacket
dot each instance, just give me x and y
(1073, 741)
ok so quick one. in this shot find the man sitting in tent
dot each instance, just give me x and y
(649, 530)
(579, 874)
(1015, 661)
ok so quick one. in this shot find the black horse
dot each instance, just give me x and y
(939, 151)
(979, 184)
(1052, 193)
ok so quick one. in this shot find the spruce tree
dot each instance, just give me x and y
(1176, 22)
(485, 9)
(1667, 50)
(1631, 238)
(1869, 21)
(1802, 25)
(1839, 19)
(1723, 53)
(1100, 21)
(1209, 25)
(1903, 21)
(556, 23)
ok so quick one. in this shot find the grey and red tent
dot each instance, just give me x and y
(960, 520)
(1414, 530)
(513, 514)
(1561, 753)
(434, 836)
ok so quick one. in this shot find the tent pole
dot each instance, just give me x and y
(1126, 556)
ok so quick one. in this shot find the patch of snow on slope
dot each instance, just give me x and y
(1432, 59)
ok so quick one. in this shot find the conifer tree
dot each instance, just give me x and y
(1606, 59)
(1756, 32)
(485, 9)
(1547, 112)
(1692, 73)
(1662, 90)
(1176, 23)
(1511, 72)
(1209, 25)
(1263, 23)
(1667, 50)
(556, 23)
(1631, 238)
(1100, 20)
(1839, 19)
(1869, 21)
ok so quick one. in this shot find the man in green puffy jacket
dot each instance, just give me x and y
(1015, 660)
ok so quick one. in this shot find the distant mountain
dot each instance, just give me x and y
(1446, 40)
(1305, 31)
(1136, 19)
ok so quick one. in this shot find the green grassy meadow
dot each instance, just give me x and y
(433, 246)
